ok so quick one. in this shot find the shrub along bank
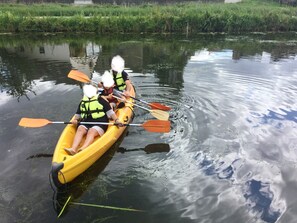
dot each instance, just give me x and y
(177, 18)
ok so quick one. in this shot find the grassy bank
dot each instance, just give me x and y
(249, 16)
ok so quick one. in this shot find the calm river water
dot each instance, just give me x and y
(231, 155)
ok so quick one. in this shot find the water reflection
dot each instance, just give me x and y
(89, 178)
(258, 195)
(221, 169)
(13, 83)
(274, 118)
(78, 186)
(81, 184)
(40, 155)
(260, 198)
(151, 148)
(165, 59)
(225, 92)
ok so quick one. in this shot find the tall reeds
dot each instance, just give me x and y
(177, 18)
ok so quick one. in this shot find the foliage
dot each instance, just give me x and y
(176, 18)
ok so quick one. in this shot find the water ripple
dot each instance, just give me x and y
(229, 126)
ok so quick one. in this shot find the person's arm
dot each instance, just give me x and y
(110, 113)
(128, 84)
(77, 116)
(100, 85)
(110, 96)
(116, 120)
(128, 88)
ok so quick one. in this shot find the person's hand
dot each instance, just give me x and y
(126, 93)
(74, 122)
(110, 96)
(118, 123)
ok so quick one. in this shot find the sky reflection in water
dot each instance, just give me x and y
(232, 144)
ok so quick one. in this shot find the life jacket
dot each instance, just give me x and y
(119, 80)
(90, 107)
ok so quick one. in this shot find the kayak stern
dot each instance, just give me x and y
(56, 167)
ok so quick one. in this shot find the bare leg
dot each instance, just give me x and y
(80, 133)
(92, 134)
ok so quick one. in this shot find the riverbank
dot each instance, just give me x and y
(187, 18)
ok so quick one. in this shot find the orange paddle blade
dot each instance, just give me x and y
(155, 105)
(79, 76)
(157, 126)
(33, 122)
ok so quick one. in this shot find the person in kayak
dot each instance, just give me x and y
(107, 92)
(92, 108)
(120, 76)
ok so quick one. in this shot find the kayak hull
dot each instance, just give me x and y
(66, 168)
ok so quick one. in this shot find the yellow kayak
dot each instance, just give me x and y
(65, 167)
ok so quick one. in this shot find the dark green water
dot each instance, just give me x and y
(231, 153)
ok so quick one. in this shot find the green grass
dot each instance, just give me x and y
(247, 16)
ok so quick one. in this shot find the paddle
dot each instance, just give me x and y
(79, 76)
(151, 148)
(161, 115)
(150, 125)
(153, 105)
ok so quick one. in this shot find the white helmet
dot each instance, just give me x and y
(89, 90)
(107, 79)
(117, 64)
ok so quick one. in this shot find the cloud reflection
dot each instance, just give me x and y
(259, 196)
(208, 56)
(222, 169)
(273, 118)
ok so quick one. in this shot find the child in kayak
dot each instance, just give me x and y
(120, 76)
(108, 87)
(92, 108)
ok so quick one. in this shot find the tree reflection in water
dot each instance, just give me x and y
(13, 83)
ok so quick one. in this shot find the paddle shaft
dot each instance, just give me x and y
(87, 123)
(153, 105)
(150, 125)
(106, 123)
(131, 103)
(132, 97)
(61, 122)
(96, 123)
